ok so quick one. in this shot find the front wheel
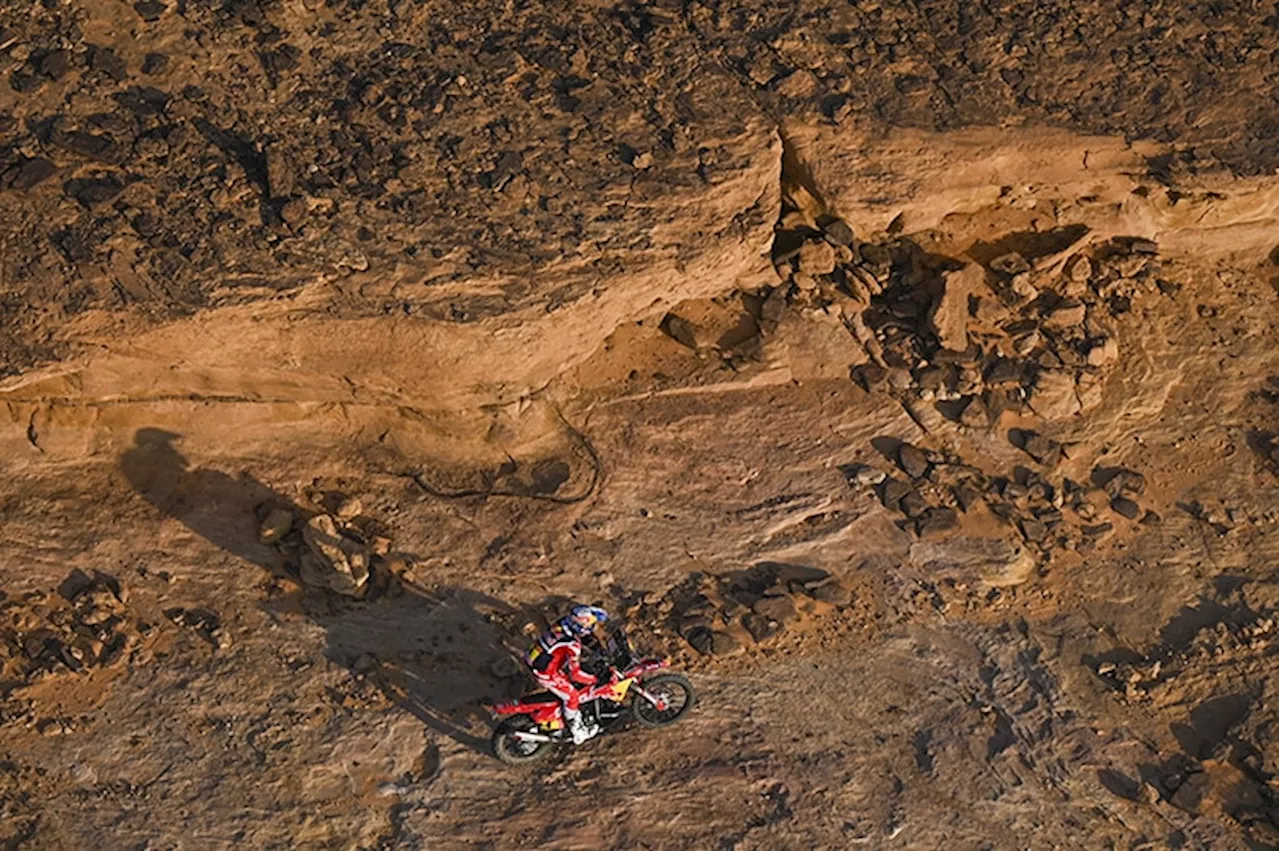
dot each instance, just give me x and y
(675, 693)
(514, 751)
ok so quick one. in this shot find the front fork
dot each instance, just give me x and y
(658, 703)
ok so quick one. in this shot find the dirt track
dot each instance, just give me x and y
(970, 309)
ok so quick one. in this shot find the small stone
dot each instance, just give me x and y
(275, 525)
(1150, 519)
(912, 461)
(936, 520)
(1012, 263)
(965, 497)
(975, 414)
(54, 64)
(154, 63)
(838, 232)
(642, 161)
(1045, 450)
(1033, 530)
(863, 476)
(107, 61)
(150, 10)
(1192, 792)
(1125, 507)
(759, 627)
(1103, 352)
(913, 504)
(892, 492)
(817, 258)
(29, 174)
(1125, 481)
(349, 508)
(364, 663)
(833, 593)
(1143, 246)
(780, 609)
(712, 643)
(1068, 313)
(1079, 269)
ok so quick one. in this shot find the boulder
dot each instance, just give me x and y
(912, 460)
(1126, 507)
(833, 593)
(1125, 481)
(1054, 395)
(1045, 450)
(332, 560)
(712, 642)
(935, 521)
(780, 609)
(759, 627)
(949, 315)
(817, 258)
(1068, 312)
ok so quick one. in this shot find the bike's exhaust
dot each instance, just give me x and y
(531, 737)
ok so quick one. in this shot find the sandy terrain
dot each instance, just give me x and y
(908, 376)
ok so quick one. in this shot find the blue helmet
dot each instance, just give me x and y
(582, 619)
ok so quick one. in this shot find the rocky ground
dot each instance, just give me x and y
(908, 376)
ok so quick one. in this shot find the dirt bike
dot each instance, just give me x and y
(629, 686)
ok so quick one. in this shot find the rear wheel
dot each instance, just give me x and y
(508, 748)
(677, 696)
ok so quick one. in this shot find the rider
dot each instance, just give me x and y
(556, 661)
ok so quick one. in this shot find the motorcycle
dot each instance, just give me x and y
(639, 688)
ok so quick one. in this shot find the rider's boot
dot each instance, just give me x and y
(578, 726)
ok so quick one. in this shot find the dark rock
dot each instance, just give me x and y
(1033, 530)
(154, 63)
(1045, 450)
(913, 504)
(892, 492)
(760, 627)
(975, 414)
(869, 376)
(55, 64)
(104, 59)
(1098, 530)
(912, 461)
(712, 643)
(833, 593)
(150, 10)
(28, 174)
(780, 609)
(1144, 246)
(1002, 371)
(1125, 507)
(1125, 481)
(837, 232)
(93, 192)
(965, 497)
(936, 520)
(99, 148)
(1150, 519)
(23, 82)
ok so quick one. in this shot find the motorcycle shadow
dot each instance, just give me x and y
(441, 655)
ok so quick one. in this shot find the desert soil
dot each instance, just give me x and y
(906, 374)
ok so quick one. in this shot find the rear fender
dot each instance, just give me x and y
(648, 666)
